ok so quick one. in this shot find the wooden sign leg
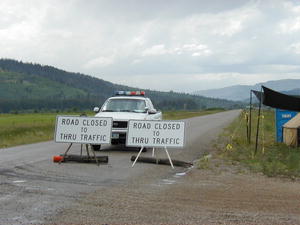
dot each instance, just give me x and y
(87, 151)
(95, 156)
(81, 150)
(153, 153)
(137, 156)
(169, 157)
(66, 152)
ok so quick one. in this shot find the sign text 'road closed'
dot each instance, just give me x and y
(155, 133)
(84, 130)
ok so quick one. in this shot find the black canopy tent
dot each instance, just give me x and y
(272, 99)
(279, 100)
(276, 99)
(259, 96)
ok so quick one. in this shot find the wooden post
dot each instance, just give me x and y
(247, 125)
(258, 121)
(250, 118)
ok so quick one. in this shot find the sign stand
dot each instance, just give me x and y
(166, 150)
(85, 131)
(169, 157)
(155, 134)
(87, 152)
(137, 156)
(153, 149)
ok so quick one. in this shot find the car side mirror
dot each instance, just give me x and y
(152, 111)
(96, 109)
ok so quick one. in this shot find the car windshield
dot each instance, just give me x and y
(125, 105)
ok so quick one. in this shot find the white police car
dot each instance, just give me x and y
(125, 106)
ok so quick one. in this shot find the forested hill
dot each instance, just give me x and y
(27, 86)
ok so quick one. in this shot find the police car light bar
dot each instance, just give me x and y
(130, 93)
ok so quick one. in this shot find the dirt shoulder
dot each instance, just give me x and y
(211, 196)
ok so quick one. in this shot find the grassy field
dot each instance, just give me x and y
(271, 158)
(178, 115)
(19, 129)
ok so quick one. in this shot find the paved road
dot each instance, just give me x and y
(33, 189)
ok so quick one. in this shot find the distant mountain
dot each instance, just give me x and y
(293, 92)
(235, 93)
(27, 86)
(242, 92)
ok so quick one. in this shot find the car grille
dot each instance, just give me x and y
(119, 124)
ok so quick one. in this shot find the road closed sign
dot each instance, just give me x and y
(153, 133)
(84, 130)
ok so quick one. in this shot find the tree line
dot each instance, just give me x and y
(39, 87)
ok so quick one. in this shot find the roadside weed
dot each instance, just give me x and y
(204, 162)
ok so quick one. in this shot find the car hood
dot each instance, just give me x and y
(123, 115)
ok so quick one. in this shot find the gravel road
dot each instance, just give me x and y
(34, 190)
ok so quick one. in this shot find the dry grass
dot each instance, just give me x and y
(271, 158)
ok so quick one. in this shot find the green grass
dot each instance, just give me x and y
(19, 129)
(271, 158)
(178, 115)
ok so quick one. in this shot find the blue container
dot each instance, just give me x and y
(281, 117)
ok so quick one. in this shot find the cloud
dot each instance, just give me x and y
(187, 49)
(155, 50)
(291, 22)
(290, 25)
(192, 82)
(295, 48)
(161, 44)
(99, 62)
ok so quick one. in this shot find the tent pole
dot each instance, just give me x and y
(247, 125)
(258, 121)
(250, 116)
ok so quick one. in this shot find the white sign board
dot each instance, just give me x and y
(155, 133)
(84, 130)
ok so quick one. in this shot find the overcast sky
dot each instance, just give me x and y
(180, 45)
